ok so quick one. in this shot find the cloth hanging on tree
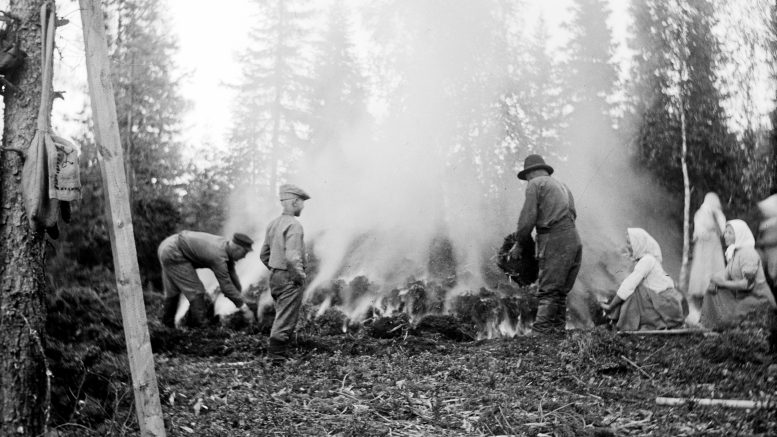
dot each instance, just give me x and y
(50, 176)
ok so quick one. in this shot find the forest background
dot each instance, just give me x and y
(406, 121)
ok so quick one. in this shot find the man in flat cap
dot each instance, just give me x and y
(181, 254)
(550, 208)
(283, 253)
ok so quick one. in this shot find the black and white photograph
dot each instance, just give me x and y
(542, 218)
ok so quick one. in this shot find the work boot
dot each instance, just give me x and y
(168, 313)
(546, 317)
(277, 351)
(197, 307)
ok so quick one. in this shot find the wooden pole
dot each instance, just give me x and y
(730, 403)
(681, 331)
(125, 260)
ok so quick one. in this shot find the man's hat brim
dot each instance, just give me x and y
(522, 174)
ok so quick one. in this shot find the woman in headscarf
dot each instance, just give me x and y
(647, 298)
(767, 239)
(708, 226)
(741, 287)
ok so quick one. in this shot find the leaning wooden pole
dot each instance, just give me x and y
(125, 258)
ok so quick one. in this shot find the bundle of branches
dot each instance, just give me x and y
(524, 269)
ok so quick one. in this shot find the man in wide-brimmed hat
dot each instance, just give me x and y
(181, 254)
(550, 208)
(283, 253)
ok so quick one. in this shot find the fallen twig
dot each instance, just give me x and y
(637, 367)
(732, 403)
(236, 364)
(683, 331)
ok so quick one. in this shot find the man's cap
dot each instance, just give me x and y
(289, 191)
(242, 240)
(534, 162)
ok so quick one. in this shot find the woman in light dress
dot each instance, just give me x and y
(708, 226)
(741, 287)
(647, 299)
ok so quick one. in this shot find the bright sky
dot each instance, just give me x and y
(210, 39)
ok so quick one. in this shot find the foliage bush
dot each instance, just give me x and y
(86, 352)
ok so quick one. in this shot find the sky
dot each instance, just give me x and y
(210, 39)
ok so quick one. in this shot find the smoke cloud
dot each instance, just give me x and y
(384, 198)
(435, 171)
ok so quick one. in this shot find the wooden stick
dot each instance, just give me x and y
(125, 259)
(637, 367)
(731, 403)
(682, 331)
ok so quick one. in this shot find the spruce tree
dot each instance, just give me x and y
(338, 104)
(149, 106)
(271, 118)
(658, 88)
(589, 80)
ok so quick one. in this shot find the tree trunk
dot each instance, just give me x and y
(683, 282)
(23, 380)
(684, 54)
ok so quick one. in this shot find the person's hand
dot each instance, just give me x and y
(718, 278)
(614, 302)
(248, 315)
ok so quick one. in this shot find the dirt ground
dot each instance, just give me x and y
(217, 382)
(585, 383)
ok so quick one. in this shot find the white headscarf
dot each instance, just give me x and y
(743, 237)
(643, 244)
(712, 207)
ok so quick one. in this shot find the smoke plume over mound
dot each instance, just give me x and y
(431, 191)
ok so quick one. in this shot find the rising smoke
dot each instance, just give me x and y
(419, 178)
(436, 169)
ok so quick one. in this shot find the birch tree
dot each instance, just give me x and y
(678, 104)
(271, 116)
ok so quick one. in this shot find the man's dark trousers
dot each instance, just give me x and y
(559, 253)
